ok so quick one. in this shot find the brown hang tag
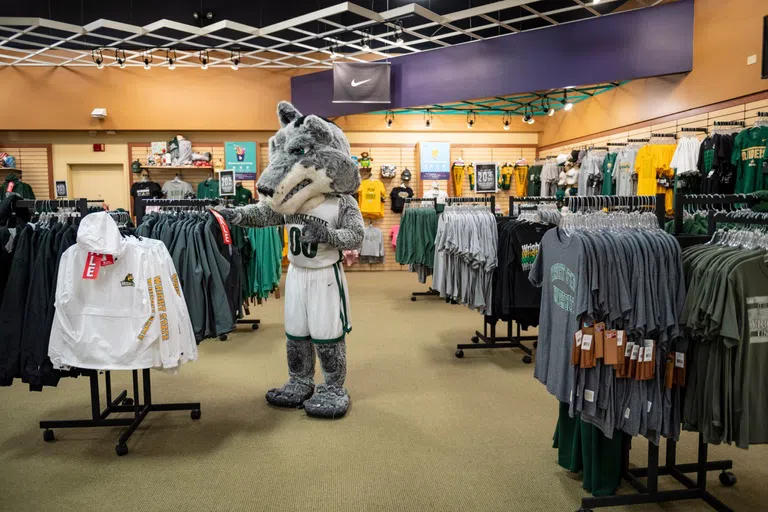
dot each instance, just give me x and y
(600, 340)
(576, 350)
(650, 359)
(680, 369)
(587, 349)
(633, 361)
(669, 371)
(610, 355)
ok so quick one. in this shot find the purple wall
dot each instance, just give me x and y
(636, 44)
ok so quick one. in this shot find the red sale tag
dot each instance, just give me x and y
(92, 265)
(224, 228)
(10, 186)
(107, 259)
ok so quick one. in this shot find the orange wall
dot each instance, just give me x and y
(725, 33)
(137, 99)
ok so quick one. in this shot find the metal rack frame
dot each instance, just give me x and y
(533, 199)
(119, 404)
(711, 200)
(433, 200)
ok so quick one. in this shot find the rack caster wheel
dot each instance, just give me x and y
(475, 339)
(48, 435)
(121, 449)
(223, 337)
(527, 359)
(128, 401)
(255, 327)
(413, 299)
(728, 479)
(195, 414)
(459, 353)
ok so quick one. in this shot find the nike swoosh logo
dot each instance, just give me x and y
(355, 83)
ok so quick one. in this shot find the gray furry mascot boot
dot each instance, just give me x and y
(309, 186)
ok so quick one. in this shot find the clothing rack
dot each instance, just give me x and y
(408, 200)
(599, 148)
(121, 403)
(689, 129)
(619, 144)
(729, 123)
(711, 200)
(199, 203)
(577, 203)
(493, 341)
(752, 218)
(532, 199)
(142, 203)
(650, 493)
(664, 135)
(638, 140)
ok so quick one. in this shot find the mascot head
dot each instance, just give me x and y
(309, 159)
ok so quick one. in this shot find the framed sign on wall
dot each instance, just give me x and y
(226, 182)
(765, 48)
(485, 178)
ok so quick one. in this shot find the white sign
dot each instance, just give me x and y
(226, 183)
(61, 188)
(486, 181)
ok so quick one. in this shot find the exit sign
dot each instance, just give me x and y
(98, 148)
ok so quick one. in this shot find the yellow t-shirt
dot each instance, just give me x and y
(457, 176)
(370, 197)
(521, 179)
(471, 175)
(652, 162)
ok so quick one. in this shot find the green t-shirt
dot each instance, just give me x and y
(745, 326)
(609, 187)
(243, 196)
(748, 157)
(534, 181)
(208, 189)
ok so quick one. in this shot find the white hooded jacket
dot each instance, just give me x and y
(126, 314)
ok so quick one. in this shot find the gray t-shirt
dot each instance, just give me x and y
(174, 189)
(373, 242)
(560, 271)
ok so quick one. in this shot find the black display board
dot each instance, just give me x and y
(765, 47)
(486, 181)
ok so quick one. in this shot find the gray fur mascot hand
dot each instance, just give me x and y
(308, 186)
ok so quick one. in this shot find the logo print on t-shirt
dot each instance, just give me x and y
(128, 281)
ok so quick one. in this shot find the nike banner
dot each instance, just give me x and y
(361, 82)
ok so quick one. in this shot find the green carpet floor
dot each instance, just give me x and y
(426, 431)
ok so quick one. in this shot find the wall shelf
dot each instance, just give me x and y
(176, 168)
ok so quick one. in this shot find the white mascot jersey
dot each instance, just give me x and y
(313, 255)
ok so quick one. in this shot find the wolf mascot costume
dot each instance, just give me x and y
(308, 186)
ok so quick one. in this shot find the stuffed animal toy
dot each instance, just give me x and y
(309, 186)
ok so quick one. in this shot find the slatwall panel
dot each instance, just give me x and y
(403, 157)
(746, 112)
(192, 175)
(500, 155)
(33, 164)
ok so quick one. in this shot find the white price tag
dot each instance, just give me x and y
(589, 395)
(628, 349)
(648, 351)
(626, 413)
(680, 359)
(649, 406)
(579, 336)
(635, 352)
(586, 342)
(619, 338)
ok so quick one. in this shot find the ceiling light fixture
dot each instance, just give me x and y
(567, 105)
(235, 58)
(334, 54)
(120, 57)
(366, 42)
(471, 118)
(507, 121)
(399, 34)
(147, 58)
(595, 2)
(550, 109)
(171, 56)
(427, 119)
(98, 58)
(203, 58)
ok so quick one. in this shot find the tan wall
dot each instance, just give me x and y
(137, 99)
(67, 155)
(725, 33)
